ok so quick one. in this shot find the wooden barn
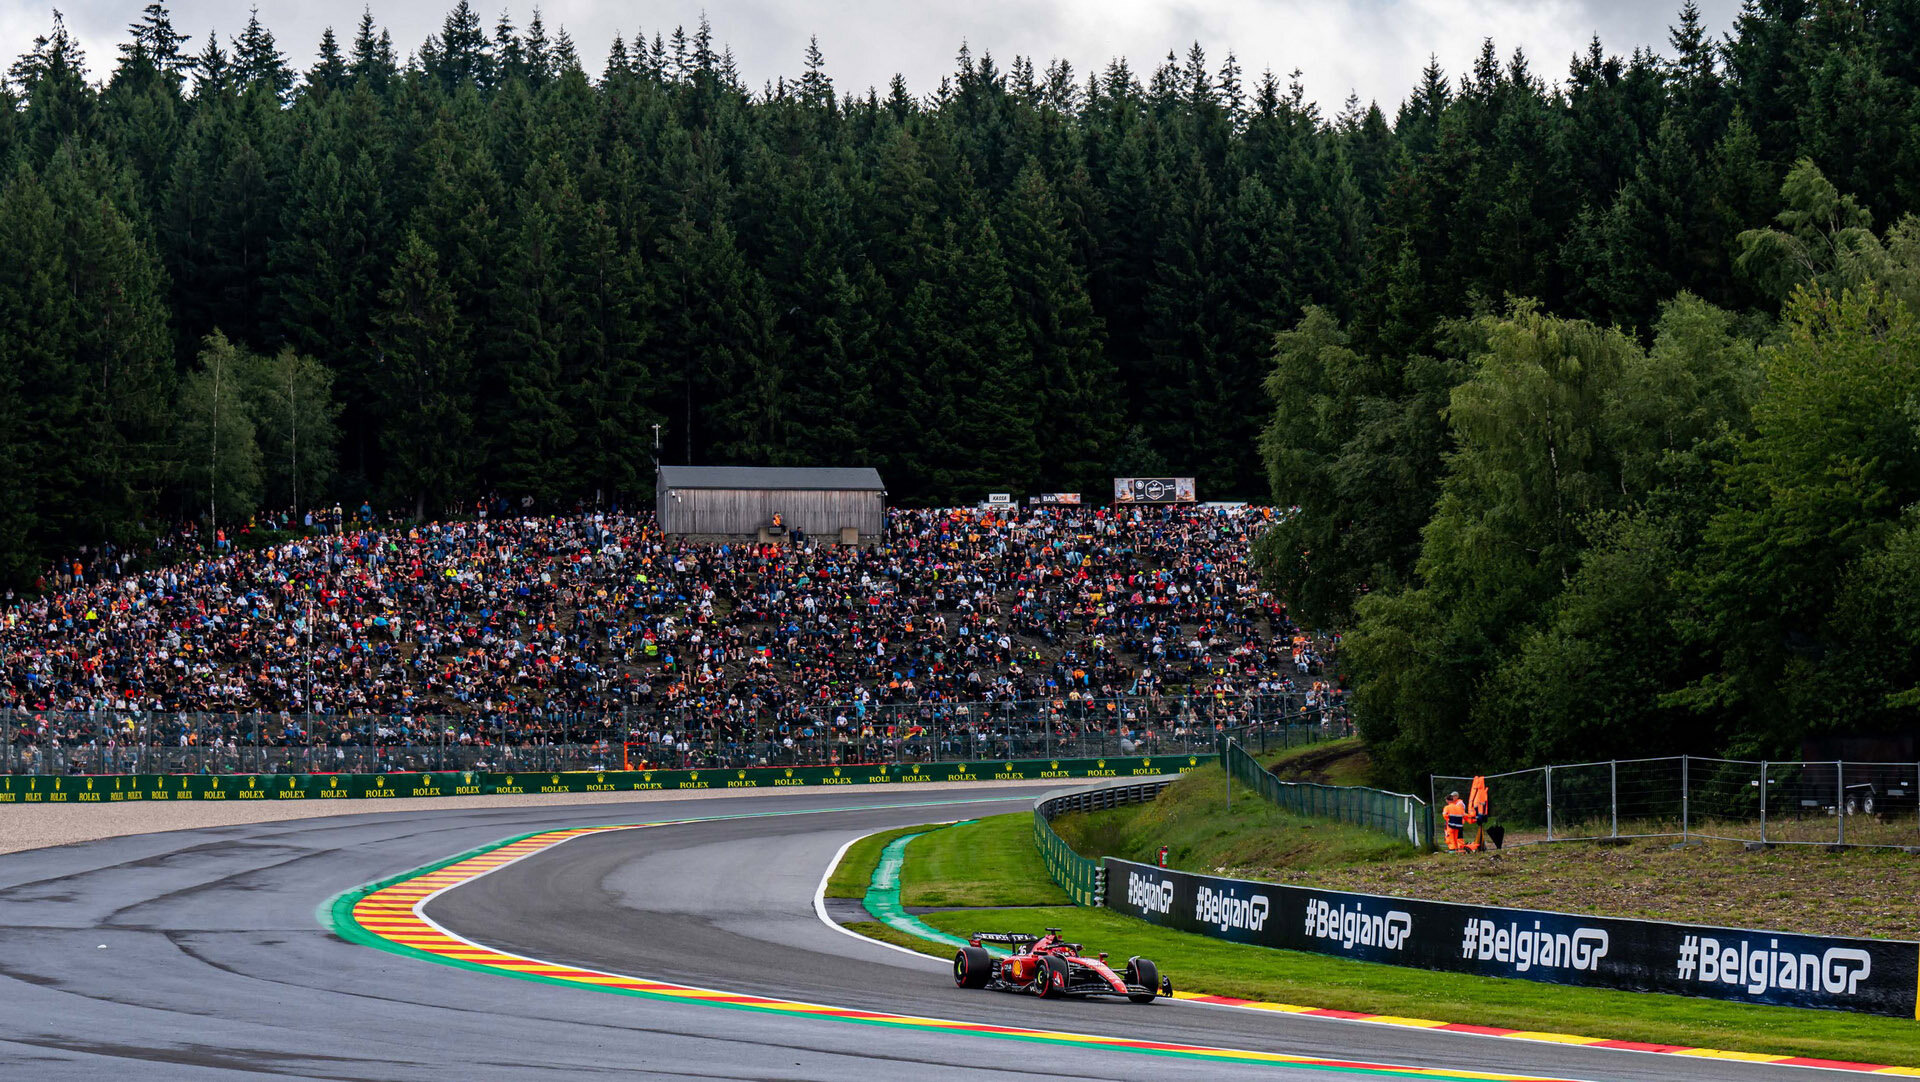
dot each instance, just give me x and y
(736, 502)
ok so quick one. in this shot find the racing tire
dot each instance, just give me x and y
(1145, 974)
(972, 968)
(1051, 981)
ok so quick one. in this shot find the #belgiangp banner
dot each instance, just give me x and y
(122, 788)
(1873, 976)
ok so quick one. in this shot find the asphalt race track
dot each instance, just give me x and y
(200, 955)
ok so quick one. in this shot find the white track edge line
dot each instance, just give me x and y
(820, 903)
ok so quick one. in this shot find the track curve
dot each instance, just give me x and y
(196, 954)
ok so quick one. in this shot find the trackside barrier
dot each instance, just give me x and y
(122, 788)
(1398, 815)
(1870, 976)
(1081, 878)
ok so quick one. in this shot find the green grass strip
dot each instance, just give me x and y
(985, 863)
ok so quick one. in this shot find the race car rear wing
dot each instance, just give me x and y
(1016, 939)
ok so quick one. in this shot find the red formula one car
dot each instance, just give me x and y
(1051, 968)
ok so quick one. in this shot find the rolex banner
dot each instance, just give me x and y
(125, 788)
(1872, 976)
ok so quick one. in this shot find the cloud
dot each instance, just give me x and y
(1374, 48)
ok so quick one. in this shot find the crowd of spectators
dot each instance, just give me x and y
(962, 634)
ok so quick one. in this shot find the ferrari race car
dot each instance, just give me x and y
(1051, 968)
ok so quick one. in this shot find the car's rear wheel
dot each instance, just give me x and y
(972, 967)
(1144, 974)
(1051, 981)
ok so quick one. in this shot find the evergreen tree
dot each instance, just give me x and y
(257, 61)
(422, 370)
(973, 386)
(540, 321)
(60, 104)
(157, 47)
(40, 384)
(460, 54)
(330, 73)
(1078, 390)
(372, 63)
(122, 349)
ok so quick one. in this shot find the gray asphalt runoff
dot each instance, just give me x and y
(199, 955)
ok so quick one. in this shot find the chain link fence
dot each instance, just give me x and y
(1397, 815)
(1773, 803)
(672, 736)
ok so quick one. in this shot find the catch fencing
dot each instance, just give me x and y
(1397, 815)
(1772, 803)
(677, 737)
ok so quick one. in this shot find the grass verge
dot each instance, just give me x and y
(855, 870)
(1199, 964)
(1335, 762)
(1255, 839)
(988, 862)
(1860, 892)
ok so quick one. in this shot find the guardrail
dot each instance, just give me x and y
(1083, 879)
(1399, 815)
(124, 788)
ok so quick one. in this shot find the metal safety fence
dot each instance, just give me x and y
(1833, 802)
(1083, 880)
(1397, 815)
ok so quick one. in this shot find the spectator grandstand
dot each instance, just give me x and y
(592, 641)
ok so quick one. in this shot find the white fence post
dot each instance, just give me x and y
(1613, 795)
(1763, 802)
(1840, 794)
(1685, 797)
(1549, 803)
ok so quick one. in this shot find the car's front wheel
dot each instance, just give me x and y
(1051, 981)
(1143, 974)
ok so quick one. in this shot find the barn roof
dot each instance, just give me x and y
(833, 479)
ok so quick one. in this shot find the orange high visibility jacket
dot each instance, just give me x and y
(1477, 801)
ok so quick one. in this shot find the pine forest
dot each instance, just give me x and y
(1593, 384)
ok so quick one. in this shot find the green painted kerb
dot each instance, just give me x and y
(883, 893)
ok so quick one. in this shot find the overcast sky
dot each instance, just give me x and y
(1371, 47)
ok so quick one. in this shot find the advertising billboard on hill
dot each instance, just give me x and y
(1138, 490)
